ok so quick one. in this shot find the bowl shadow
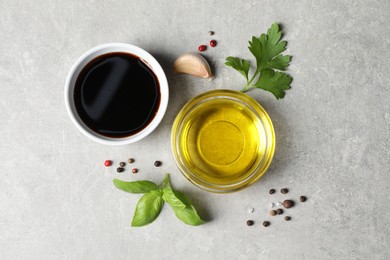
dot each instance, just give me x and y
(282, 143)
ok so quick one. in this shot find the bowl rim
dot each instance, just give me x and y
(263, 165)
(96, 51)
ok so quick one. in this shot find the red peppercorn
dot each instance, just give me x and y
(202, 47)
(134, 170)
(213, 43)
(107, 163)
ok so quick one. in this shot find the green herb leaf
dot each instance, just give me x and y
(165, 182)
(241, 66)
(267, 47)
(188, 214)
(135, 186)
(170, 197)
(280, 62)
(274, 82)
(267, 50)
(148, 208)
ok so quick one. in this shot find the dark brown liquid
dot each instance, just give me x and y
(117, 95)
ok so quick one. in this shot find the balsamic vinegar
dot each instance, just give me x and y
(117, 95)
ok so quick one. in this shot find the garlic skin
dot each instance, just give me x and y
(192, 64)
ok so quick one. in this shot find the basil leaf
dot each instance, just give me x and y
(135, 186)
(165, 182)
(170, 197)
(188, 214)
(148, 208)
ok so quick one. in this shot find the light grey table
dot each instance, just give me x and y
(57, 200)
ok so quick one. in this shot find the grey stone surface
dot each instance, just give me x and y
(57, 200)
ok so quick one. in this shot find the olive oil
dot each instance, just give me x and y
(223, 141)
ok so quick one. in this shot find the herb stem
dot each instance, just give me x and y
(249, 85)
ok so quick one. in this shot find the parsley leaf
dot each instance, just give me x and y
(267, 50)
(274, 82)
(241, 66)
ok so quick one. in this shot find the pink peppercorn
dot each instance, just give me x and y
(107, 163)
(202, 48)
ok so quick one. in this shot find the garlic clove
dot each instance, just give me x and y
(192, 64)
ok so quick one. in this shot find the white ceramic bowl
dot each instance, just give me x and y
(108, 48)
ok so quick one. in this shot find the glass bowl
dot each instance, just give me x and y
(223, 141)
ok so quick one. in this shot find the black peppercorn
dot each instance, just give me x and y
(266, 223)
(284, 191)
(288, 204)
(302, 198)
(250, 222)
(157, 163)
(120, 169)
(279, 211)
(122, 164)
(272, 191)
(287, 218)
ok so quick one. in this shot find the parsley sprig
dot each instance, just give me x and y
(270, 62)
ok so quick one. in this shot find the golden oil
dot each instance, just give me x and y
(222, 143)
